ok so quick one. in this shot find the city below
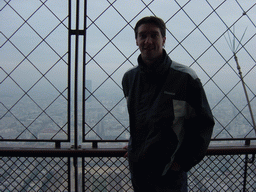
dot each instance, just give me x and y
(44, 116)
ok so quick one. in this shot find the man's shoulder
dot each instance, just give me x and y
(132, 70)
(129, 75)
(184, 69)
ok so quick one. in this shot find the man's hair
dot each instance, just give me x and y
(158, 22)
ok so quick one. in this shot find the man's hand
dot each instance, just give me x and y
(175, 166)
(126, 154)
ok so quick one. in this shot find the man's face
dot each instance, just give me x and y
(150, 42)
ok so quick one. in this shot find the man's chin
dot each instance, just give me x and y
(149, 56)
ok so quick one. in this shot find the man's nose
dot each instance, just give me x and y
(148, 40)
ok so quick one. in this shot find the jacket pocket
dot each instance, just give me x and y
(159, 147)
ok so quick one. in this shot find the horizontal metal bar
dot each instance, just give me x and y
(110, 152)
(33, 140)
(231, 150)
(233, 139)
(105, 141)
(22, 152)
(110, 141)
(77, 32)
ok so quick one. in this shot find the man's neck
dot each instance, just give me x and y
(152, 62)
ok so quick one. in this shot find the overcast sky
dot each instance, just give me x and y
(39, 47)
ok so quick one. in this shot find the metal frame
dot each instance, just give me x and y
(119, 153)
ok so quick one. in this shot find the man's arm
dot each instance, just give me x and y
(198, 127)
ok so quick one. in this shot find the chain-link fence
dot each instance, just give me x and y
(34, 71)
(37, 72)
(34, 174)
(229, 172)
(197, 34)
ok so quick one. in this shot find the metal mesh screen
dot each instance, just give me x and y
(34, 174)
(214, 173)
(33, 70)
(199, 34)
(106, 174)
(222, 173)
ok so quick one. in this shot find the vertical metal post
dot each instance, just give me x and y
(76, 75)
(76, 92)
(245, 172)
(77, 32)
(69, 174)
(69, 91)
(83, 91)
(69, 71)
(84, 70)
(83, 176)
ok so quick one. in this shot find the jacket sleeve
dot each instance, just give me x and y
(125, 85)
(198, 127)
(127, 81)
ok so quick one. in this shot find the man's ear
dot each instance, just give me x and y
(164, 38)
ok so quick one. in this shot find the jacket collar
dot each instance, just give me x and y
(158, 68)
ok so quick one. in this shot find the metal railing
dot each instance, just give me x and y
(61, 100)
(223, 169)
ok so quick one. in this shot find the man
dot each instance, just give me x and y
(170, 119)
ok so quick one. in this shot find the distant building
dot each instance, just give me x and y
(49, 133)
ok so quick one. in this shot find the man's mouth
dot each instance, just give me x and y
(148, 48)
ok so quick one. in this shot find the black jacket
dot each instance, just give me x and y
(170, 118)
